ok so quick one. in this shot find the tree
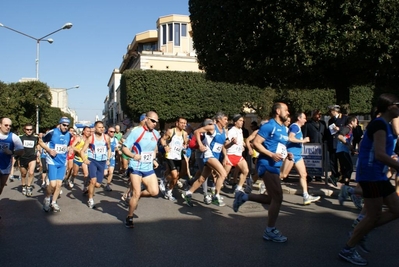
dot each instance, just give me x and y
(19, 101)
(297, 44)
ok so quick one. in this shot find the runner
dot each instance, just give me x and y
(270, 142)
(174, 142)
(233, 155)
(141, 147)
(109, 169)
(10, 144)
(374, 157)
(27, 161)
(98, 155)
(294, 146)
(78, 159)
(57, 149)
(212, 145)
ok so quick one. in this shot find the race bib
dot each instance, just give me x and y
(147, 156)
(217, 148)
(101, 150)
(282, 149)
(29, 143)
(61, 149)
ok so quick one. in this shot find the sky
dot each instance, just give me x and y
(84, 55)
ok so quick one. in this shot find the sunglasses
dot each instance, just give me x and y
(111, 131)
(28, 129)
(396, 104)
(153, 121)
(65, 125)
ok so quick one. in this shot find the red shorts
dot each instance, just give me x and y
(233, 160)
(70, 156)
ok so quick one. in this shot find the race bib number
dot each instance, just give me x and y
(282, 149)
(29, 143)
(101, 150)
(217, 148)
(147, 156)
(61, 149)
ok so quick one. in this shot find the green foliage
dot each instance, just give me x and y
(173, 94)
(297, 44)
(361, 99)
(19, 101)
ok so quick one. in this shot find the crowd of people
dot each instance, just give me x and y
(219, 150)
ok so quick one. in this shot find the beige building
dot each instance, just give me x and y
(169, 47)
(59, 99)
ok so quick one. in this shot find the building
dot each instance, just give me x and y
(59, 99)
(169, 47)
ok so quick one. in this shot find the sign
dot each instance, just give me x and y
(312, 154)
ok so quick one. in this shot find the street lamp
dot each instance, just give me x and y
(58, 91)
(66, 26)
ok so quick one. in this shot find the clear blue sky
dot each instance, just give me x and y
(84, 55)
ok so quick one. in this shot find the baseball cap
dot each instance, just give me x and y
(143, 116)
(334, 107)
(64, 120)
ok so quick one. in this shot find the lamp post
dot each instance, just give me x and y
(62, 91)
(66, 26)
(37, 115)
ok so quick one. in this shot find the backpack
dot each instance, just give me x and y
(193, 142)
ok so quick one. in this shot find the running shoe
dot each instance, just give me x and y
(362, 243)
(218, 201)
(129, 222)
(46, 204)
(208, 199)
(187, 199)
(238, 200)
(169, 196)
(11, 178)
(108, 188)
(162, 188)
(24, 190)
(352, 256)
(60, 192)
(29, 191)
(333, 180)
(343, 194)
(44, 185)
(274, 235)
(70, 184)
(179, 184)
(310, 199)
(262, 188)
(357, 201)
(90, 204)
(55, 207)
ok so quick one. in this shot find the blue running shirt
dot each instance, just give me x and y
(59, 142)
(145, 147)
(275, 136)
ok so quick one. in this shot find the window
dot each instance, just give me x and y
(177, 34)
(170, 32)
(184, 29)
(163, 34)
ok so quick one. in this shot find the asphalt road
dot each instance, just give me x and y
(173, 234)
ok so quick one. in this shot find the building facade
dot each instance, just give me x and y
(169, 47)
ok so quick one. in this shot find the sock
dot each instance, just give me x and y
(47, 198)
(91, 200)
(53, 202)
(238, 187)
(305, 195)
(269, 229)
(189, 192)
